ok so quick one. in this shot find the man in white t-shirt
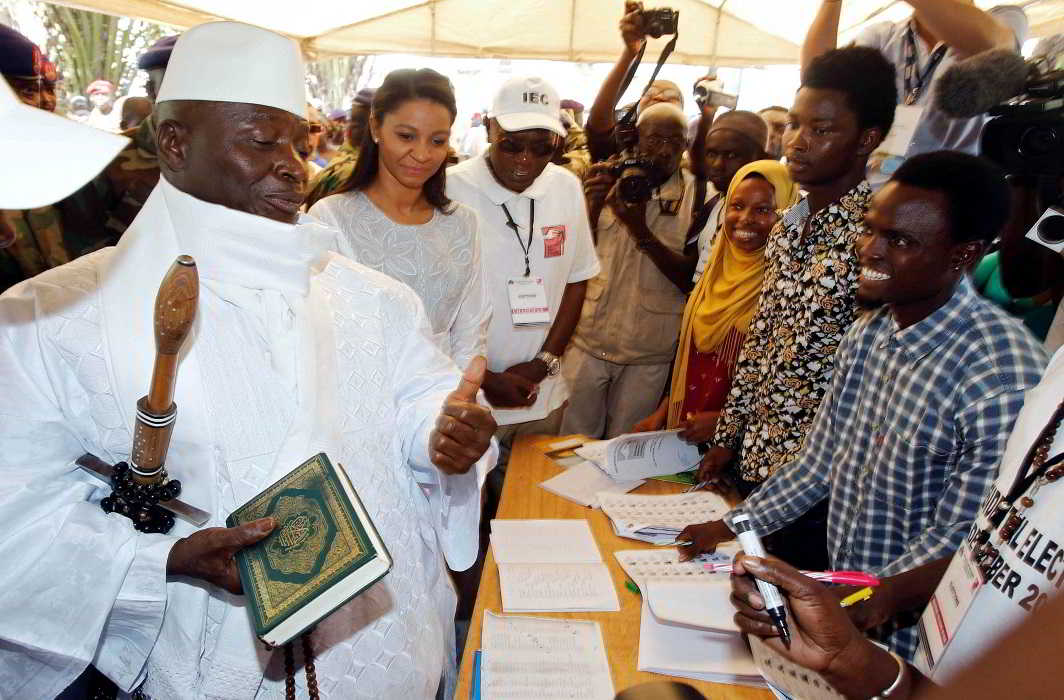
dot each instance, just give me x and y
(537, 254)
(921, 48)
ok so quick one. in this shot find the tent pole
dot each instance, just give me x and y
(572, 26)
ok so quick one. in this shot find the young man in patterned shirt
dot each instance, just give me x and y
(925, 390)
(841, 112)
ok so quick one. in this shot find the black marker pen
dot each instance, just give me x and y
(751, 545)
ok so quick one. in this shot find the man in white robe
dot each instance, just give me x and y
(294, 351)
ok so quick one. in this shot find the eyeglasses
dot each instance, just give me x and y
(538, 149)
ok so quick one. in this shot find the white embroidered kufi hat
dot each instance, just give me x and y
(236, 62)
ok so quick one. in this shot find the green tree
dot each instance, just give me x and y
(88, 46)
(334, 81)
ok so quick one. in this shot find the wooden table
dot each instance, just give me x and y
(523, 498)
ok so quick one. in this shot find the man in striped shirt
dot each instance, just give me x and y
(925, 390)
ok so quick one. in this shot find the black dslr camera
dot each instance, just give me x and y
(1026, 134)
(660, 21)
(636, 176)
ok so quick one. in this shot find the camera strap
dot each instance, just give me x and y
(525, 248)
(634, 65)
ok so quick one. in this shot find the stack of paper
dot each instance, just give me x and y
(551, 566)
(687, 627)
(583, 483)
(525, 658)
(659, 519)
(689, 652)
(683, 592)
(642, 455)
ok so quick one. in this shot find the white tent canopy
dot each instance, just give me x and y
(712, 32)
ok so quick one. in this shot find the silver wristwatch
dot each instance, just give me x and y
(554, 364)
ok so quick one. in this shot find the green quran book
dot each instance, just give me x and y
(324, 551)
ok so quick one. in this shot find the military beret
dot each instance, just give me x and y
(18, 55)
(338, 114)
(571, 104)
(158, 54)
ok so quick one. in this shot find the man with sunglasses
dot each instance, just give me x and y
(537, 254)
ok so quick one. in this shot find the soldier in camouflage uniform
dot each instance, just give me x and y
(125, 184)
(33, 240)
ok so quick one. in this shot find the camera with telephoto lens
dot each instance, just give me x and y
(1026, 134)
(637, 176)
(660, 21)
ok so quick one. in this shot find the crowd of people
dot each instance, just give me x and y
(795, 301)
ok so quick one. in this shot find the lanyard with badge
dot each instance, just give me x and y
(528, 296)
(914, 78)
(895, 145)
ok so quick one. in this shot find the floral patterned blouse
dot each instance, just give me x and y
(807, 303)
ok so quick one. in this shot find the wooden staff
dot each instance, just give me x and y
(175, 310)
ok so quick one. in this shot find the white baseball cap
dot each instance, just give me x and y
(33, 141)
(236, 62)
(527, 103)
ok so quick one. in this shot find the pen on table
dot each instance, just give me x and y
(863, 594)
(751, 545)
(851, 578)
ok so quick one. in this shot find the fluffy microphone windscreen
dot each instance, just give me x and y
(970, 87)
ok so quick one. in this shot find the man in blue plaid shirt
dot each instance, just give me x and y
(924, 392)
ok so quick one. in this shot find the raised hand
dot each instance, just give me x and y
(464, 429)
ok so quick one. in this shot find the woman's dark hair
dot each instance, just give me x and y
(399, 87)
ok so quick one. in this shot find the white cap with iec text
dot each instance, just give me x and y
(235, 62)
(527, 103)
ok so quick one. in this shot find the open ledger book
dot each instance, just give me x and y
(324, 551)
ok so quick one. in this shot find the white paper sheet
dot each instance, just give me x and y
(543, 542)
(642, 565)
(594, 452)
(526, 658)
(658, 519)
(557, 587)
(703, 602)
(583, 482)
(643, 455)
(717, 657)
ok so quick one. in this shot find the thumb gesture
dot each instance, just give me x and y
(472, 378)
(464, 429)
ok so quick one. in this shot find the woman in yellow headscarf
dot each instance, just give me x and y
(719, 310)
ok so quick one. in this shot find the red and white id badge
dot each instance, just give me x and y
(553, 241)
(528, 301)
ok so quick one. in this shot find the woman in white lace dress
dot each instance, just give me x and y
(396, 218)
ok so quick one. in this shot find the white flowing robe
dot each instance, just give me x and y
(295, 350)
